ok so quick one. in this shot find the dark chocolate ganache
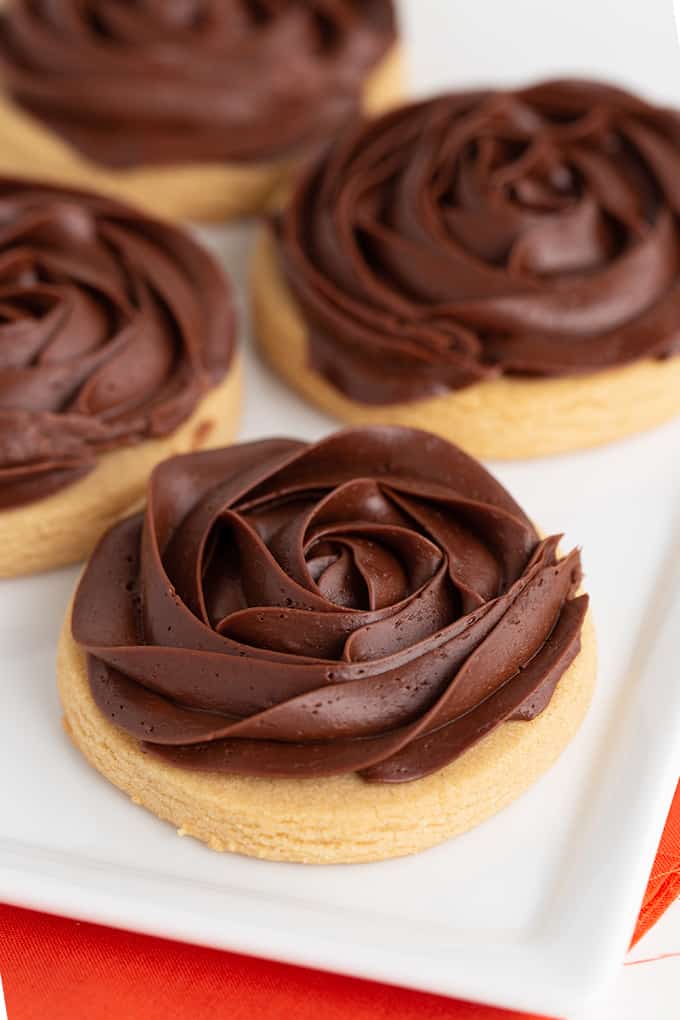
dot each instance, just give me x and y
(112, 327)
(532, 233)
(374, 603)
(134, 82)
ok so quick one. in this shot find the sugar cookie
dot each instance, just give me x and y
(117, 348)
(501, 268)
(195, 111)
(339, 651)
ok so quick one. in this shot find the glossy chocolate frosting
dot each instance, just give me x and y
(112, 327)
(131, 82)
(532, 233)
(373, 603)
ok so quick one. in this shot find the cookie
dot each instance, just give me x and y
(198, 111)
(499, 268)
(117, 348)
(341, 651)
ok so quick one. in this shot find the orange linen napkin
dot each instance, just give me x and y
(55, 969)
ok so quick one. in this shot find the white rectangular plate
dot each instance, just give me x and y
(533, 910)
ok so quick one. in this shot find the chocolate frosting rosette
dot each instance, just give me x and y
(114, 330)
(522, 245)
(154, 81)
(374, 603)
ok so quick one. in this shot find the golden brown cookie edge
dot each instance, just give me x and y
(65, 527)
(502, 419)
(334, 820)
(200, 192)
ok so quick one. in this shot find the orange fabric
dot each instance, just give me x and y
(59, 970)
(663, 887)
(55, 969)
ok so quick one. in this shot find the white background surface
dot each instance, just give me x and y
(459, 43)
(452, 42)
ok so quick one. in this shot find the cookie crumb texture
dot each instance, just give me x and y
(332, 820)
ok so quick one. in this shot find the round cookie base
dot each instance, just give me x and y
(340, 819)
(64, 527)
(208, 192)
(502, 419)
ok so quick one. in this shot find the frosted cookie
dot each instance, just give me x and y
(193, 110)
(117, 349)
(501, 268)
(341, 651)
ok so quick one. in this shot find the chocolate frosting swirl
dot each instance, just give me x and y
(373, 603)
(180, 81)
(531, 233)
(112, 326)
